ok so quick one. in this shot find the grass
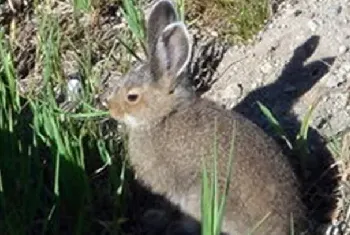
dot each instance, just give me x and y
(298, 145)
(235, 21)
(45, 173)
(136, 22)
(213, 197)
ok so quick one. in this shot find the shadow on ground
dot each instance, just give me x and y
(318, 177)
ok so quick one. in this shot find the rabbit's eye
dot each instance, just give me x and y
(132, 97)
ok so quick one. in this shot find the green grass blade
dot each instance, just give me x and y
(251, 232)
(275, 124)
(306, 123)
(292, 232)
(228, 182)
(135, 19)
(57, 176)
(180, 8)
(215, 193)
(205, 198)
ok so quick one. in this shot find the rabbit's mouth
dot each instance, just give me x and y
(119, 114)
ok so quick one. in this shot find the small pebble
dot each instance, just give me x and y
(335, 10)
(214, 33)
(74, 89)
(339, 120)
(266, 68)
(343, 49)
(335, 81)
(339, 9)
(297, 13)
(346, 67)
(312, 25)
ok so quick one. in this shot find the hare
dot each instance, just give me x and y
(171, 133)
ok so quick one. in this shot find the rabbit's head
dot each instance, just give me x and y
(156, 87)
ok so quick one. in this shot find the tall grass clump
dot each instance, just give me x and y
(299, 144)
(135, 19)
(20, 177)
(213, 196)
(48, 154)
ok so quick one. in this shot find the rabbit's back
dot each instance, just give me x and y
(168, 157)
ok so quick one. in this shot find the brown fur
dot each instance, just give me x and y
(168, 158)
(171, 132)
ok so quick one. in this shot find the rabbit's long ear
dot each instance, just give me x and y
(172, 52)
(162, 14)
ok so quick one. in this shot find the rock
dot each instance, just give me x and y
(338, 121)
(298, 12)
(313, 25)
(214, 33)
(266, 68)
(254, 85)
(335, 10)
(335, 81)
(74, 87)
(343, 49)
(346, 67)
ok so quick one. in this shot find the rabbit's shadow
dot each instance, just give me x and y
(295, 80)
(317, 174)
